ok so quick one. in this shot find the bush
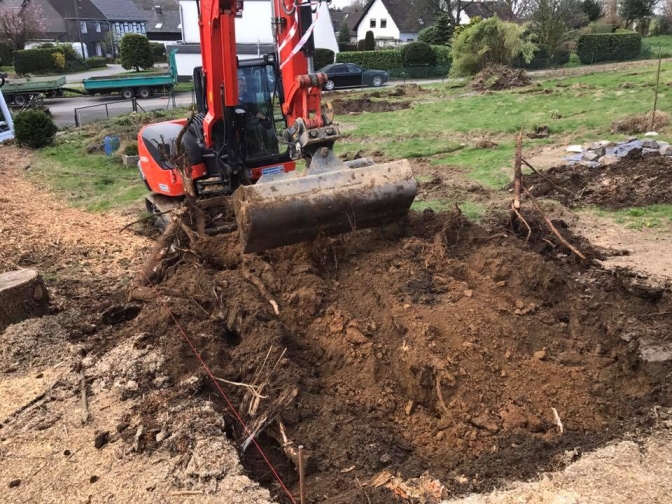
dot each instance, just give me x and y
(34, 61)
(136, 52)
(369, 41)
(323, 57)
(58, 60)
(600, 28)
(428, 35)
(361, 44)
(131, 149)
(347, 47)
(96, 62)
(34, 128)
(418, 53)
(661, 25)
(541, 59)
(158, 52)
(490, 42)
(375, 60)
(5, 54)
(592, 48)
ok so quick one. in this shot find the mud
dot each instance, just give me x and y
(637, 180)
(359, 105)
(434, 345)
(497, 77)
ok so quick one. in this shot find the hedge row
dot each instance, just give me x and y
(36, 61)
(594, 47)
(392, 60)
(6, 54)
(96, 62)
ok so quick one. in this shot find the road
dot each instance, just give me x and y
(100, 107)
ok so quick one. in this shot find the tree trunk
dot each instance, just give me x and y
(22, 295)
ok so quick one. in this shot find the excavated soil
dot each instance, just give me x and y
(635, 181)
(433, 346)
(356, 106)
(498, 77)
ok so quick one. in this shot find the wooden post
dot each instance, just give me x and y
(655, 99)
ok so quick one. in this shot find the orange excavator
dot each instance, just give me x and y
(256, 119)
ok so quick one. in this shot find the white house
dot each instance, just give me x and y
(392, 20)
(254, 36)
(485, 10)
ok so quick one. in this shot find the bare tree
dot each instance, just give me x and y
(20, 24)
(452, 8)
(520, 9)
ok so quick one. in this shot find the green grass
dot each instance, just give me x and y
(653, 216)
(662, 42)
(94, 182)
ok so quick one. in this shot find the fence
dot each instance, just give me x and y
(91, 113)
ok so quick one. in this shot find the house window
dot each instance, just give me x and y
(99, 49)
(117, 27)
(126, 28)
(97, 27)
(383, 23)
(372, 23)
(82, 26)
(142, 28)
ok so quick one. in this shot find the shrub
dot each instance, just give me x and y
(541, 59)
(661, 25)
(443, 58)
(360, 45)
(376, 60)
(158, 52)
(490, 42)
(96, 62)
(323, 57)
(136, 52)
(5, 53)
(34, 128)
(428, 35)
(347, 47)
(34, 61)
(131, 149)
(59, 60)
(344, 33)
(369, 41)
(418, 53)
(592, 48)
(600, 28)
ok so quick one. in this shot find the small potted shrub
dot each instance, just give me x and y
(130, 155)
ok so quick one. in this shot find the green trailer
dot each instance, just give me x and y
(142, 85)
(20, 92)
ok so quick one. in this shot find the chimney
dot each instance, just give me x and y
(157, 9)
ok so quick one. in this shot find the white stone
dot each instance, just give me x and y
(577, 149)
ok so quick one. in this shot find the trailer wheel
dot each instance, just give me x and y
(20, 100)
(127, 93)
(144, 93)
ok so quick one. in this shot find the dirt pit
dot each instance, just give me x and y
(356, 106)
(637, 180)
(433, 347)
(497, 77)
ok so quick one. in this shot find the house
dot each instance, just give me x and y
(88, 25)
(350, 16)
(392, 21)
(485, 10)
(163, 20)
(254, 34)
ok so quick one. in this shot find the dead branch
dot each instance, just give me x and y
(253, 390)
(85, 403)
(150, 270)
(547, 179)
(552, 227)
(529, 229)
(264, 420)
(256, 281)
(442, 403)
(278, 431)
(517, 171)
(147, 217)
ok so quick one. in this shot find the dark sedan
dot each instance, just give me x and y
(349, 75)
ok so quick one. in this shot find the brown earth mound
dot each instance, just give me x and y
(497, 77)
(434, 345)
(635, 181)
(343, 106)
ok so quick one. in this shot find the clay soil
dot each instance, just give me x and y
(435, 352)
(356, 106)
(635, 181)
(497, 77)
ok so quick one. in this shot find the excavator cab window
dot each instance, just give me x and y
(256, 93)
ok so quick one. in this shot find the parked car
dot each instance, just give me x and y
(350, 75)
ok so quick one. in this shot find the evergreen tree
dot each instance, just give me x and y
(344, 34)
(369, 41)
(444, 31)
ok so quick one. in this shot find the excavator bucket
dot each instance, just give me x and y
(330, 198)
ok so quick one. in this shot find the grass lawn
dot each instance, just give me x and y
(662, 42)
(95, 181)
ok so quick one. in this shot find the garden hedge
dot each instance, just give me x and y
(392, 60)
(375, 60)
(35, 61)
(594, 47)
(322, 58)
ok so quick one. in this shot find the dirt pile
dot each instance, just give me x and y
(641, 123)
(358, 105)
(433, 345)
(497, 77)
(636, 180)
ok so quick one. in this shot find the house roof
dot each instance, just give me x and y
(488, 9)
(409, 18)
(166, 5)
(350, 17)
(166, 22)
(119, 10)
(87, 10)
